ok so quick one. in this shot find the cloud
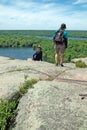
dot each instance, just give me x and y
(27, 14)
(80, 2)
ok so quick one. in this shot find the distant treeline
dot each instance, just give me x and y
(17, 41)
(74, 33)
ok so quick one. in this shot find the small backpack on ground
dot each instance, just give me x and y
(59, 36)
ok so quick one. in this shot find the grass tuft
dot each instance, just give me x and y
(80, 64)
(11, 58)
(27, 85)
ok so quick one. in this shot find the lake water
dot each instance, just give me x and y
(18, 53)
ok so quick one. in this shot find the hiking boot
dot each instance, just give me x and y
(62, 65)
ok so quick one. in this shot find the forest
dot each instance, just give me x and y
(29, 38)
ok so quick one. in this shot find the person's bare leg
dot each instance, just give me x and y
(56, 58)
(62, 59)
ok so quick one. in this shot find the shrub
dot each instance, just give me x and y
(80, 64)
(7, 112)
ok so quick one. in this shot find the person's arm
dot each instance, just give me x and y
(34, 55)
(41, 55)
(66, 42)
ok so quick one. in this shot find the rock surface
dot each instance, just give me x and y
(53, 105)
(12, 73)
(55, 102)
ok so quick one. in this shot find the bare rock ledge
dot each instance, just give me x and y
(58, 100)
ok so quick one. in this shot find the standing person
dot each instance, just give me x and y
(60, 39)
(38, 54)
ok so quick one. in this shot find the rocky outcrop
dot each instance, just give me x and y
(58, 100)
(53, 105)
(12, 73)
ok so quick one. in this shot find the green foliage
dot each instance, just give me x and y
(27, 85)
(80, 64)
(76, 49)
(26, 33)
(17, 41)
(7, 112)
(77, 34)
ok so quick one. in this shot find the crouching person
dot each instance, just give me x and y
(37, 56)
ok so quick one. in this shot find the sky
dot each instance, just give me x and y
(43, 14)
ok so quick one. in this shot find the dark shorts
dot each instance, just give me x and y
(60, 48)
